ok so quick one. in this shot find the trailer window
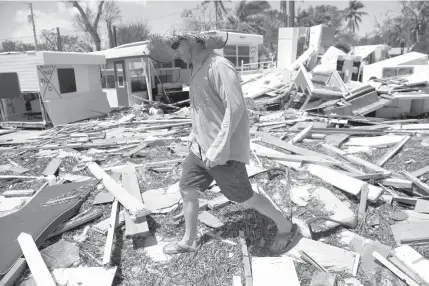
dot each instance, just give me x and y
(67, 80)
(230, 53)
(179, 63)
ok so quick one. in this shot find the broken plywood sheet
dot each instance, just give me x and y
(103, 198)
(210, 220)
(330, 257)
(162, 200)
(378, 141)
(37, 220)
(274, 271)
(85, 276)
(333, 205)
(412, 232)
(346, 183)
(61, 254)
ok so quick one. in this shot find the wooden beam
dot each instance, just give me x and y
(397, 183)
(131, 184)
(416, 181)
(420, 172)
(111, 233)
(13, 274)
(414, 261)
(136, 209)
(298, 158)
(246, 262)
(52, 167)
(394, 269)
(276, 270)
(35, 262)
(73, 223)
(392, 152)
(18, 193)
(8, 177)
(355, 160)
(346, 183)
(301, 135)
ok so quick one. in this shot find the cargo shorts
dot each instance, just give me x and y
(231, 178)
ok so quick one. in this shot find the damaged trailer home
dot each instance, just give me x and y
(130, 76)
(38, 88)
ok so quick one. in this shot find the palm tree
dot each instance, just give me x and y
(353, 16)
(250, 16)
(220, 9)
(418, 14)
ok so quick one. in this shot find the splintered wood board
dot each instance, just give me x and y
(331, 257)
(332, 204)
(378, 141)
(210, 220)
(420, 172)
(263, 149)
(111, 232)
(274, 271)
(136, 209)
(346, 183)
(414, 261)
(35, 261)
(131, 184)
(413, 232)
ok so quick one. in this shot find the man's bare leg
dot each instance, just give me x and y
(190, 212)
(261, 204)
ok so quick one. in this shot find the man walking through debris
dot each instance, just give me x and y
(220, 141)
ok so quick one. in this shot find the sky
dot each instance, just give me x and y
(159, 15)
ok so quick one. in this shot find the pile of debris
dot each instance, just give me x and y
(100, 198)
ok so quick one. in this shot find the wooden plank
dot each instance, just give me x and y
(52, 167)
(392, 152)
(331, 257)
(420, 172)
(323, 279)
(111, 233)
(379, 141)
(332, 204)
(416, 181)
(412, 232)
(35, 261)
(301, 135)
(394, 269)
(131, 184)
(269, 139)
(336, 139)
(398, 263)
(246, 262)
(397, 183)
(346, 183)
(276, 270)
(136, 209)
(210, 220)
(296, 158)
(422, 206)
(136, 149)
(13, 274)
(372, 107)
(18, 193)
(355, 160)
(73, 223)
(414, 261)
(218, 202)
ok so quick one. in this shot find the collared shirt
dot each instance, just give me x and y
(220, 122)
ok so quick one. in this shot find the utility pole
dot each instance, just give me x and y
(59, 44)
(114, 36)
(34, 26)
(291, 13)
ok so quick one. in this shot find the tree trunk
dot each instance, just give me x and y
(291, 13)
(110, 34)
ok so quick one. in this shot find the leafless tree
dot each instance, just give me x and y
(111, 13)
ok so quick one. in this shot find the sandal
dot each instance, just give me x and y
(176, 248)
(289, 236)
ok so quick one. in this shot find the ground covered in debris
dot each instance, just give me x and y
(220, 257)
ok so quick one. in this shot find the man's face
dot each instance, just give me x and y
(184, 51)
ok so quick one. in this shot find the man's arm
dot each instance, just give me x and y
(225, 81)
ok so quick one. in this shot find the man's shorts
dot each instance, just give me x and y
(231, 178)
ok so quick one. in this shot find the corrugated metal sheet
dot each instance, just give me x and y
(25, 65)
